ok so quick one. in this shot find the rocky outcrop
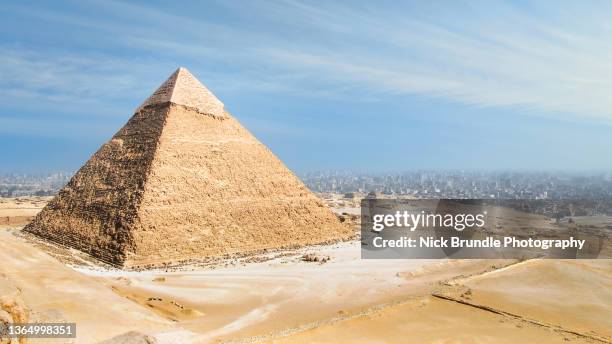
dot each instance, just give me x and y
(12, 309)
(131, 337)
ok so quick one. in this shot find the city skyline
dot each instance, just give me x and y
(418, 184)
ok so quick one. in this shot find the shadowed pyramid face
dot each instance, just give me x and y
(183, 180)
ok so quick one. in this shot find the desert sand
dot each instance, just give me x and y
(323, 293)
(20, 211)
(529, 302)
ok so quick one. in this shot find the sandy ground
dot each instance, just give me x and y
(263, 299)
(19, 211)
(54, 292)
(282, 297)
(536, 301)
(429, 320)
(569, 294)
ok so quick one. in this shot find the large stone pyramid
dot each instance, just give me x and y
(183, 180)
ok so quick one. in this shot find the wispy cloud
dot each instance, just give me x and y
(542, 59)
(70, 82)
(549, 64)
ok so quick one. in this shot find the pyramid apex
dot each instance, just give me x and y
(183, 88)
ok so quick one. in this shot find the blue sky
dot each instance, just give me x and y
(345, 85)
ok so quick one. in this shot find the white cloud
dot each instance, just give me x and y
(544, 60)
(544, 65)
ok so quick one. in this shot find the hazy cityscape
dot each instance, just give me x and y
(419, 184)
(473, 184)
(17, 185)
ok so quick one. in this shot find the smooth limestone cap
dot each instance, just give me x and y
(185, 89)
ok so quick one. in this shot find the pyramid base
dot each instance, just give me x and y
(133, 263)
(149, 264)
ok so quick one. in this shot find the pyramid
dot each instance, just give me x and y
(181, 181)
